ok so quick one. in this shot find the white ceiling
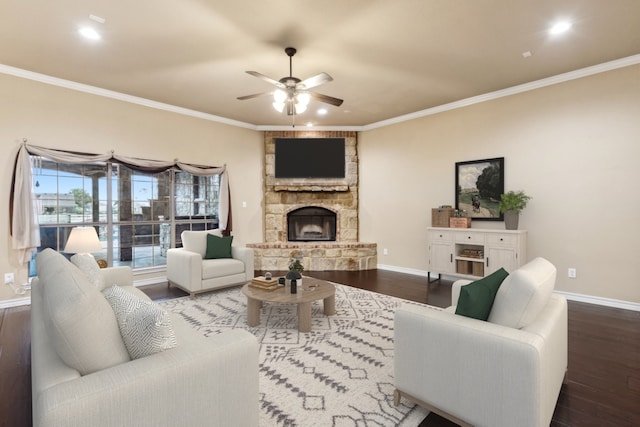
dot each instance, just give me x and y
(388, 58)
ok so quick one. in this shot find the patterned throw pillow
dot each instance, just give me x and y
(88, 265)
(145, 327)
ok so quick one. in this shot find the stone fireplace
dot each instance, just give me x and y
(312, 219)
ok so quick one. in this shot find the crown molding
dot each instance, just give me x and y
(538, 84)
(549, 81)
(80, 87)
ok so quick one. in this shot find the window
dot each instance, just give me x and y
(131, 210)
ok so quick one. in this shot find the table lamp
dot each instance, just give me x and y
(83, 240)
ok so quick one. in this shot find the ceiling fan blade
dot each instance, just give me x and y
(265, 78)
(255, 95)
(326, 99)
(314, 81)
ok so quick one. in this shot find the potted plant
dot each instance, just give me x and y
(295, 271)
(511, 204)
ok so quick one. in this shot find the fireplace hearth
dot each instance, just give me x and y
(311, 224)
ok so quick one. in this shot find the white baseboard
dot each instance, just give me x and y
(15, 302)
(608, 302)
(590, 299)
(150, 281)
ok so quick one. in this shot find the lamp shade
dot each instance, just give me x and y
(83, 240)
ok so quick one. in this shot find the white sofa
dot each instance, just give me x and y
(82, 374)
(503, 372)
(188, 269)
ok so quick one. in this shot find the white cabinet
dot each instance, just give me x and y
(441, 251)
(473, 252)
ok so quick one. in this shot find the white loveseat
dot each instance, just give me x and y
(82, 374)
(483, 373)
(188, 269)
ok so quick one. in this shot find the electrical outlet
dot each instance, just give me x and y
(385, 251)
(8, 278)
(572, 273)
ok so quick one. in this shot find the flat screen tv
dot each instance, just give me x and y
(309, 158)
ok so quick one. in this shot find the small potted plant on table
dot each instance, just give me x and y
(511, 204)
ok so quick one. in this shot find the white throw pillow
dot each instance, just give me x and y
(523, 294)
(145, 327)
(88, 265)
(80, 323)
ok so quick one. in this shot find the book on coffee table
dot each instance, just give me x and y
(261, 282)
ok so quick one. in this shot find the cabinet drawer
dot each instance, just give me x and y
(470, 237)
(441, 236)
(507, 240)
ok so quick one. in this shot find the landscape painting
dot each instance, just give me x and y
(479, 185)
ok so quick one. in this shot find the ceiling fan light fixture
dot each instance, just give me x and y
(279, 96)
(279, 106)
(300, 108)
(303, 98)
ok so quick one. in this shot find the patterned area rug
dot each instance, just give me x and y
(339, 374)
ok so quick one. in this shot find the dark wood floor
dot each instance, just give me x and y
(603, 386)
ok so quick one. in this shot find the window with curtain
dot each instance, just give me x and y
(136, 214)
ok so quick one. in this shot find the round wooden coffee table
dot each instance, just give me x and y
(312, 290)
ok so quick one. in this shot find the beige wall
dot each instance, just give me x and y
(61, 118)
(574, 147)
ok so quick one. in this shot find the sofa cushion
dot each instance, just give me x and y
(145, 327)
(218, 247)
(196, 241)
(221, 267)
(88, 265)
(477, 297)
(80, 321)
(524, 294)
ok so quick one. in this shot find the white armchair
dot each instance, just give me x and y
(506, 371)
(188, 269)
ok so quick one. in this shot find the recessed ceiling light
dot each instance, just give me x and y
(322, 111)
(526, 54)
(309, 125)
(89, 33)
(560, 27)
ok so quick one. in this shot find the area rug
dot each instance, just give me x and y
(339, 374)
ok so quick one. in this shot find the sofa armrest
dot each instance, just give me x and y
(245, 255)
(212, 381)
(122, 276)
(184, 268)
(480, 372)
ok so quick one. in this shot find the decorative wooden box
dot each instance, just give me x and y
(460, 222)
(440, 216)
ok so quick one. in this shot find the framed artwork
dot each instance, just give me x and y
(479, 184)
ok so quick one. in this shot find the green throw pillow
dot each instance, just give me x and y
(476, 298)
(218, 247)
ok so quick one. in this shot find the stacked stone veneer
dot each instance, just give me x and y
(281, 196)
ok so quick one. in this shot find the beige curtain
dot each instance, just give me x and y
(25, 231)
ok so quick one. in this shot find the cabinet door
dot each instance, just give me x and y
(441, 257)
(501, 257)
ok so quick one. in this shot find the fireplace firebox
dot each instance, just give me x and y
(311, 224)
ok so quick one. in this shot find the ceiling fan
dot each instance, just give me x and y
(293, 93)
